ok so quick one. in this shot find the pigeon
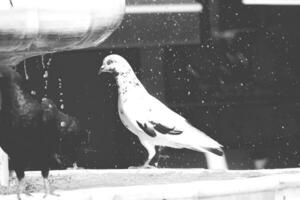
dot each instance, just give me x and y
(29, 131)
(149, 119)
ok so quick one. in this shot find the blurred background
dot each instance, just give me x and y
(231, 69)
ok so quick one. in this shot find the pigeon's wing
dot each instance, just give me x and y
(152, 128)
(159, 119)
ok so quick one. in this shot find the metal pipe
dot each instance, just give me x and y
(164, 8)
(35, 27)
(4, 172)
(271, 2)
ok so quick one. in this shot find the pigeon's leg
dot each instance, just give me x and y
(160, 156)
(47, 186)
(151, 153)
(48, 189)
(21, 183)
(21, 189)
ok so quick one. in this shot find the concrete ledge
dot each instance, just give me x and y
(166, 184)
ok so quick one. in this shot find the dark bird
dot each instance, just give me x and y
(149, 119)
(72, 136)
(28, 129)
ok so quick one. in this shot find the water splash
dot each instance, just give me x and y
(45, 75)
(33, 92)
(61, 94)
(25, 71)
(46, 67)
(43, 61)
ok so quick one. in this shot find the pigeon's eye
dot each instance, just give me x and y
(109, 62)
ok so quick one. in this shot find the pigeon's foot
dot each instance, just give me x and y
(148, 167)
(24, 192)
(27, 193)
(22, 189)
(50, 193)
(134, 167)
(142, 167)
(48, 189)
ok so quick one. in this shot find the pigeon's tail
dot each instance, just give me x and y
(217, 151)
(203, 143)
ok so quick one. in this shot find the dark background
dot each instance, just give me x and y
(231, 70)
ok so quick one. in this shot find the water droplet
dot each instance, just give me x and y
(42, 61)
(45, 74)
(25, 70)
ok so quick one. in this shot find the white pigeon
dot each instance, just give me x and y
(149, 119)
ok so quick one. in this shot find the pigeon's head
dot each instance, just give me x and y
(114, 64)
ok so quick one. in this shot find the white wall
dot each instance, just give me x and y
(4, 173)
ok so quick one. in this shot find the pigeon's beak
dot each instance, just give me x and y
(101, 70)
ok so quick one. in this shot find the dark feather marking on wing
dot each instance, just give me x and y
(165, 130)
(146, 129)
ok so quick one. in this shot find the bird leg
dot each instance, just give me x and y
(21, 188)
(21, 183)
(48, 189)
(151, 153)
(160, 156)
